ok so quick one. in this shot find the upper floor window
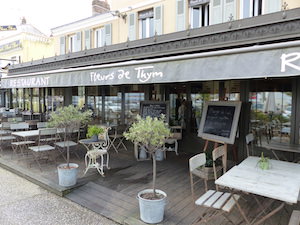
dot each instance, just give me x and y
(72, 43)
(146, 23)
(257, 7)
(249, 8)
(199, 11)
(99, 37)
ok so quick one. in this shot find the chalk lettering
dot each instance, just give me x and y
(99, 77)
(123, 74)
(144, 74)
(287, 59)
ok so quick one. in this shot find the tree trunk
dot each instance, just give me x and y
(154, 172)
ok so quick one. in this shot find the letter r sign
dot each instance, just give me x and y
(288, 59)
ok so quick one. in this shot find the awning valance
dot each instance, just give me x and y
(245, 63)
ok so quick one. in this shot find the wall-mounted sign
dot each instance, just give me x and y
(8, 27)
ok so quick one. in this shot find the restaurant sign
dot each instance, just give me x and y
(197, 67)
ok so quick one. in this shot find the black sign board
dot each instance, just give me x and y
(154, 109)
(219, 121)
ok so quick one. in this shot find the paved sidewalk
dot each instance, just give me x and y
(22, 202)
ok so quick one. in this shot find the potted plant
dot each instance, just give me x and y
(263, 162)
(68, 118)
(207, 171)
(94, 131)
(151, 134)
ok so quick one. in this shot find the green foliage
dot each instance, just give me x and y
(263, 162)
(94, 130)
(149, 132)
(69, 117)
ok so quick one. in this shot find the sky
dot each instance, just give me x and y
(43, 14)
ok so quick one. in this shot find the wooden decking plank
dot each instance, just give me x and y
(107, 201)
(165, 177)
(98, 208)
(108, 192)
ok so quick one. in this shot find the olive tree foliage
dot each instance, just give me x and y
(69, 118)
(150, 133)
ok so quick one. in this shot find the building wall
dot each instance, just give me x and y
(172, 21)
(26, 47)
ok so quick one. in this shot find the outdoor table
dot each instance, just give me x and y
(281, 147)
(279, 183)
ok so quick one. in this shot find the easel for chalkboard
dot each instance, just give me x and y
(216, 144)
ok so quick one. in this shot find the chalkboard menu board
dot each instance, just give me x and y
(219, 121)
(154, 109)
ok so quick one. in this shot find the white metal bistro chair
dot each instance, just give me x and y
(99, 150)
(217, 203)
(43, 150)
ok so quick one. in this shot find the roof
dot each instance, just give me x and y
(22, 28)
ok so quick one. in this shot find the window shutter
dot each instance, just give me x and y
(132, 27)
(180, 15)
(62, 45)
(102, 39)
(229, 9)
(158, 20)
(272, 6)
(216, 12)
(108, 35)
(78, 42)
(245, 9)
(87, 39)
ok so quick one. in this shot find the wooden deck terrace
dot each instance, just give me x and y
(114, 196)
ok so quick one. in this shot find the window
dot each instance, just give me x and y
(249, 8)
(72, 43)
(257, 7)
(146, 23)
(199, 15)
(99, 38)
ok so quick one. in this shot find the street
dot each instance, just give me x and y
(23, 202)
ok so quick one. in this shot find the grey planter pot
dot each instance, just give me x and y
(152, 211)
(67, 176)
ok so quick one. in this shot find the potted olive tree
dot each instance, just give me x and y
(69, 118)
(151, 134)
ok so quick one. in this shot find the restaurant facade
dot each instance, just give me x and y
(254, 60)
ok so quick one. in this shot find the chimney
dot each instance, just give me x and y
(100, 7)
(23, 21)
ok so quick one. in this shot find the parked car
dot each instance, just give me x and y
(287, 112)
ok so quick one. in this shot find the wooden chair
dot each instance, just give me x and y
(217, 203)
(195, 162)
(295, 218)
(250, 144)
